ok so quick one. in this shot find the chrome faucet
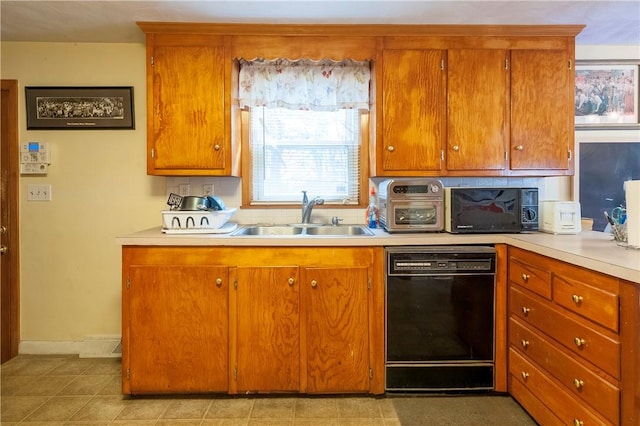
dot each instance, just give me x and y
(307, 206)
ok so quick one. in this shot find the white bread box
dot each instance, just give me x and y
(560, 217)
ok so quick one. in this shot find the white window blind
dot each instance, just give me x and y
(295, 150)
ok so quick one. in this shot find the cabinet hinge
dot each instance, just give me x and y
(570, 64)
(506, 64)
(569, 154)
(505, 156)
(235, 374)
(235, 284)
(369, 283)
(153, 153)
(371, 373)
(442, 64)
(152, 61)
(128, 282)
(128, 374)
(442, 155)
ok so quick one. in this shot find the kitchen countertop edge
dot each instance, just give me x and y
(590, 249)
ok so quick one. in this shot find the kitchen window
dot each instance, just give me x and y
(307, 129)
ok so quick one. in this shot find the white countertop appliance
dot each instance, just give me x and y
(560, 217)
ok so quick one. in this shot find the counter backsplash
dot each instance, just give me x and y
(230, 190)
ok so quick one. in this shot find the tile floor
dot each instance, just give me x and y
(67, 390)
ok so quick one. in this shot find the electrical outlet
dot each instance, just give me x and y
(39, 192)
(207, 189)
(184, 189)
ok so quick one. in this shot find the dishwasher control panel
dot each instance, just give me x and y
(426, 261)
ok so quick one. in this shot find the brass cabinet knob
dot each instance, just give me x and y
(579, 342)
(524, 343)
(578, 383)
(526, 310)
(3, 229)
(314, 283)
(577, 422)
(291, 281)
(456, 148)
(524, 375)
(216, 147)
(519, 147)
(3, 249)
(525, 277)
(576, 299)
(218, 282)
(390, 148)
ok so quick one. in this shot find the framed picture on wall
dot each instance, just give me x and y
(79, 108)
(606, 94)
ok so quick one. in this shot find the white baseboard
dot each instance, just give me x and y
(90, 347)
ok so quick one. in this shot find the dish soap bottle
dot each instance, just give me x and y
(372, 210)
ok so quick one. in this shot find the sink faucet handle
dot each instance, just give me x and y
(305, 199)
(335, 220)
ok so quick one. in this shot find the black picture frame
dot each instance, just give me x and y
(79, 108)
(606, 94)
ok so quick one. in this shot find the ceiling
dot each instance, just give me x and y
(607, 22)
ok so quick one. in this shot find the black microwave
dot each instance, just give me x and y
(491, 210)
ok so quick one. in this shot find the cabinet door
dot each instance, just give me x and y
(268, 329)
(178, 324)
(478, 114)
(337, 329)
(542, 110)
(414, 106)
(186, 110)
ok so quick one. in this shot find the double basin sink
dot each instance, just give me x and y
(302, 230)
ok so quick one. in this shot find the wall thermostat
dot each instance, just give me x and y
(34, 158)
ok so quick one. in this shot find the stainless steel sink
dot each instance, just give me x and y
(310, 231)
(341, 230)
(260, 230)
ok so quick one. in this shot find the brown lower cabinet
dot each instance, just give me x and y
(215, 319)
(573, 342)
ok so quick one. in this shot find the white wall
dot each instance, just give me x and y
(70, 261)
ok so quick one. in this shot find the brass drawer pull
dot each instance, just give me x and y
(291, 281)
(314, 283)
(579, 342)
(390, 148)
(577, 422)
(576, 299)
(524, 343)
(526, 310)
(525, 277)
(218, 282)
(578, 383)
(524, 375)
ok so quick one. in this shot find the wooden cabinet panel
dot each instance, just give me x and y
(580, 380)
(186, 108)
(534, 406)
(542, 114)
(337, 329)
(414, 107)
(590, 344)
(268, 329)
(177, 325)
(589, 302)
(530, 277)
(478, 109)
(569, 409)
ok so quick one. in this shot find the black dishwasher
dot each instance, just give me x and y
(440, 318)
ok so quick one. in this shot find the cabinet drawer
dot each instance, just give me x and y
(592, 303)
(536, 408)
(599, 349)
(579, 380)
(530, 277)
(569, 409)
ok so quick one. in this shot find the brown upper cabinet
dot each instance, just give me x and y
(446, 100)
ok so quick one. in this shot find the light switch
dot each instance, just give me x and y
(41, 192)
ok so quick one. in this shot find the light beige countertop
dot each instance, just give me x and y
(593, 250)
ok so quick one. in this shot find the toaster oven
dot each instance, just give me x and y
(411, 205)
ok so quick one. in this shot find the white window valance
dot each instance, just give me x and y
(304, 84)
